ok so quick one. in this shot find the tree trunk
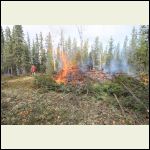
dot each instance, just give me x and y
(14, 70)
(11, 70)
(100, 62)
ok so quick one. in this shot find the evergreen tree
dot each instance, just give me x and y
(29, 46)
(78, 57)
(142, 52)
(119, 60)
(96, 52)
(9, 54)
(125, 47)
(58, 58)
(111, 46)
(2, 50)
(18, 47)
(133, 47)
(110, 53)
(26, 58)
(28, 41)
(74, 51)
(117, 52)
(36, 55)
(50, 61)
(42, 54)
(79, 52)
(85, 51)
(33, 53)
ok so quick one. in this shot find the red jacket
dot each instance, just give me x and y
(33, 69)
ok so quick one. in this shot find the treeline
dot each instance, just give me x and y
(18, 53)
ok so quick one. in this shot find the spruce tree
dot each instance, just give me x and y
(42, 54)
(133, 47)
(33, 53)
(110, 53)
(2, 51)
(36, 53)
(9, 54)
(18, 47)
(85, 52)
(96, 52)
(142, 52)
(50, 61)
(125, 47)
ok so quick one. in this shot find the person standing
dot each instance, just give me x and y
(33, 69)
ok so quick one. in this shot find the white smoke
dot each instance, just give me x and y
(119, 66)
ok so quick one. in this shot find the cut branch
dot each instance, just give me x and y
(123, 113)
(137, 99)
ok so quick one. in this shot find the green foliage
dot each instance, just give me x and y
(97, 52)
(42, 55)
(2, 50)
(85, 51)
(18, 45)
(142, 52)
(110, 52)
(8, 53)
(35, 52)
(49, 56)
(16, 55)
(26, 58)
(125, 47)
(101, 90)
(138, 88)
(33, 61)
(138, 53)
(45, 81)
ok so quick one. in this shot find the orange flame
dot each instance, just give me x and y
(62, 75)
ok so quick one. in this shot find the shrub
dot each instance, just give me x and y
(48, 83)
(45, 81)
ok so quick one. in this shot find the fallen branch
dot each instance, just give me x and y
(87, 92)
(137, 99)
(65, 95)
(119, 105)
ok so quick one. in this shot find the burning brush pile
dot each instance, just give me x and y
(75, 75)
(70, 75)
(69, 72)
